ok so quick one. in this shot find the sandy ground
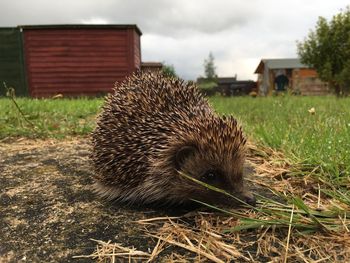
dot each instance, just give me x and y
(48, 212)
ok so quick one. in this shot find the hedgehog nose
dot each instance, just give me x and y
(250, 200)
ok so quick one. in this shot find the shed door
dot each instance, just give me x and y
(11, 61)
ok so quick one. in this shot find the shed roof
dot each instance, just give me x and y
(225, 80)
(280, 63)
(151, 64)
(78, 26)
(219, 80)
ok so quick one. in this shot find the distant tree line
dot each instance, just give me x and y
(169, 70)
(327, 49)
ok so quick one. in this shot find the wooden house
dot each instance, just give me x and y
(229, 86)
(151, 66)
(288, 74)
(77, 60)
(233, 87)
(72, 60)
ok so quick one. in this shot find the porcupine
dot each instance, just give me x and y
(153, 130)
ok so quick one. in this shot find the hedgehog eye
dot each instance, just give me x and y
(209, 176)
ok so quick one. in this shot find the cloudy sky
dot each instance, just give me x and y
(183, 32)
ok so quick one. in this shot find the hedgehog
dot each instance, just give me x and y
(153, 130)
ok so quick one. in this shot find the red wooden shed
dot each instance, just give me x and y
(76, 60)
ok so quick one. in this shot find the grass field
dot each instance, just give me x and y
(51, 118)
(283, 123)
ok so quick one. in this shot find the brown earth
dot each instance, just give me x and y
(48, 212)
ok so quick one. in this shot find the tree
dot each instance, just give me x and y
(209, 67)
(327, 49)
(169, 70)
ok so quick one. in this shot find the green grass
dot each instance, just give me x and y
(283, 123)
(51, 118)
(208, 85)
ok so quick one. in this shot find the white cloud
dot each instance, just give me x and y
(94, 21)
(182, 33)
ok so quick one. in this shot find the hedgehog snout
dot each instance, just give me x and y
(248, 198)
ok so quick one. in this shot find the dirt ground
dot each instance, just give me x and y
(48, 212)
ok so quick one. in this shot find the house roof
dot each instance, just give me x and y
(221, 80)
(78, 26)
(152, 64)
(280, 63)
(225, 80)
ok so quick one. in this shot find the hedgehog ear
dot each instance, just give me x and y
(182, 154)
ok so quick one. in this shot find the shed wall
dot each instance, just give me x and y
(137, 50)
(76, 61)
(306, 82)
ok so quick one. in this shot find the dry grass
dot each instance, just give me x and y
(109, 252)
(303, 218)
